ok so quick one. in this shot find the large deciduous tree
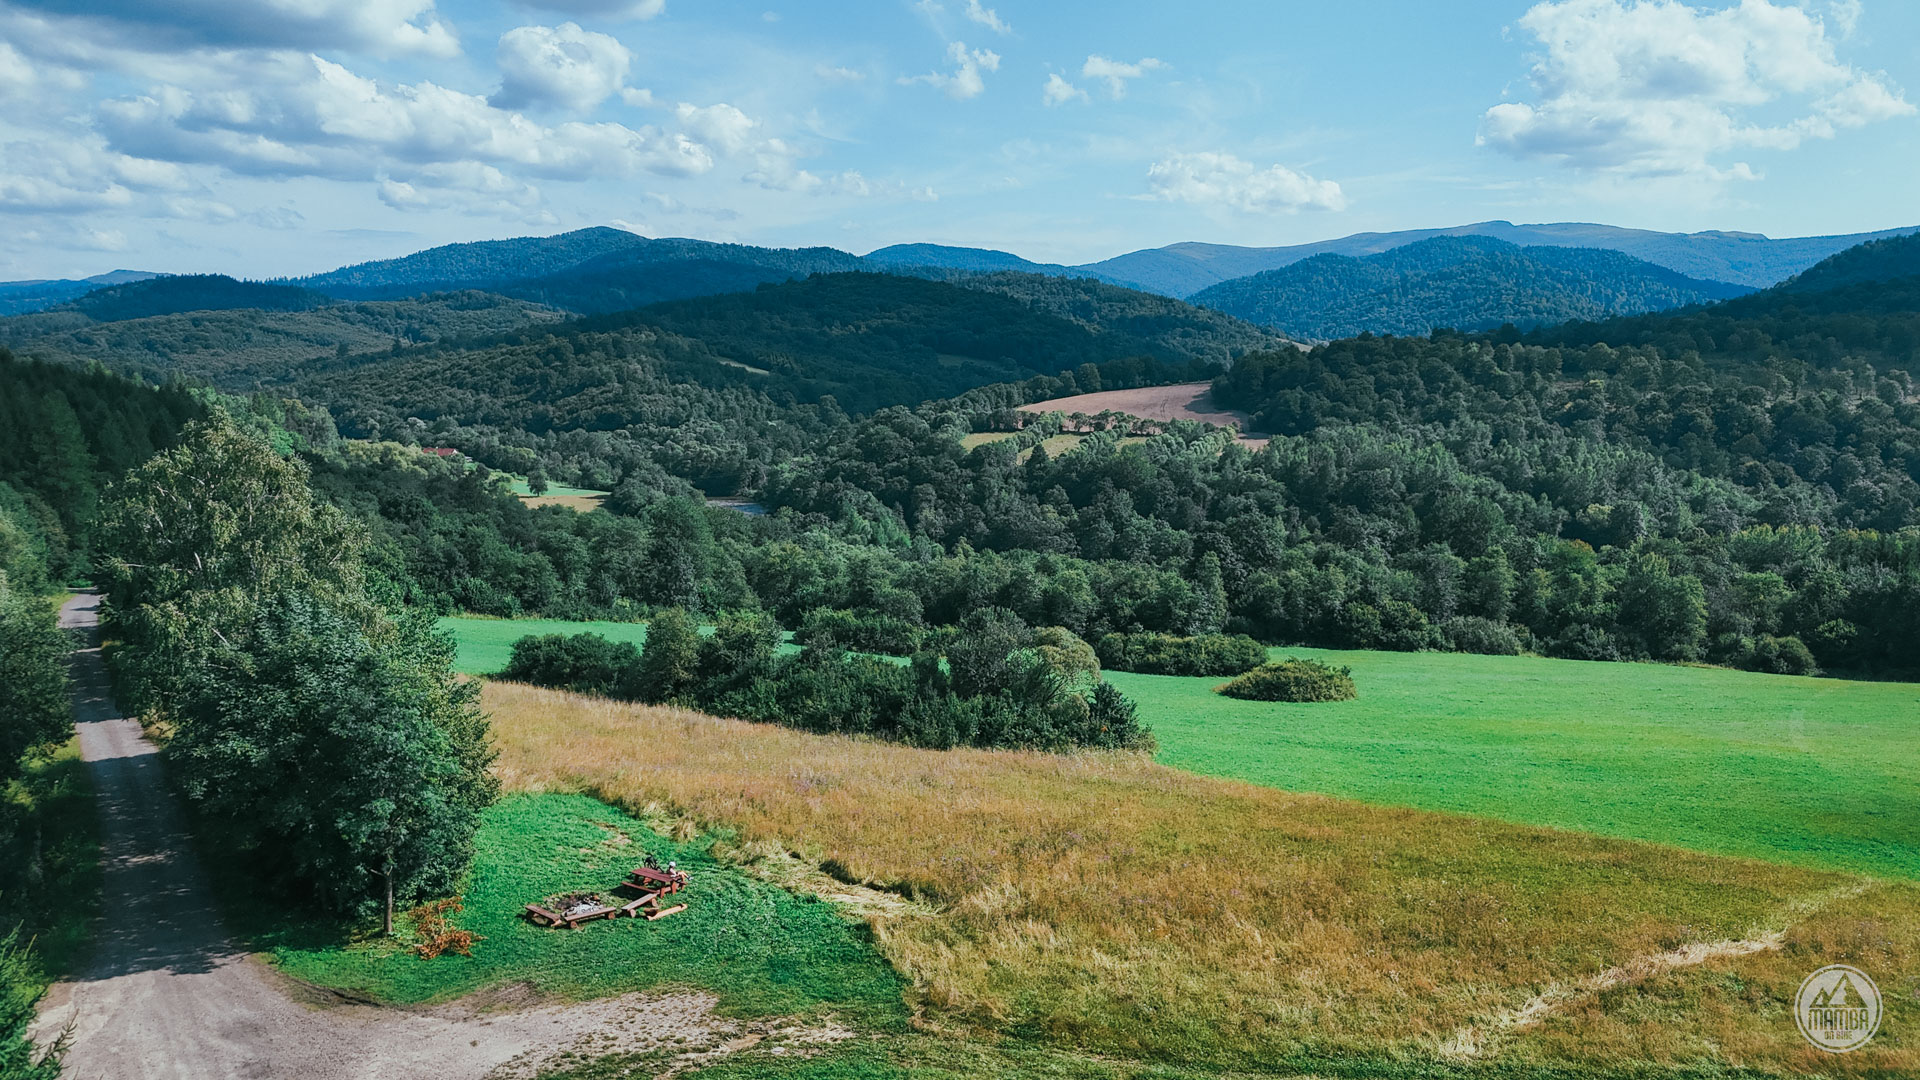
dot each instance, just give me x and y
(314, 728)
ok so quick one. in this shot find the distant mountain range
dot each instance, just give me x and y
(603, 269)
(20, 297)
(1458, 282)
(1737, 258)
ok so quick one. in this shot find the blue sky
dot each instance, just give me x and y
(268, 137)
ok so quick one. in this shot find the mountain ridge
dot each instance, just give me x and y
(1468, 283)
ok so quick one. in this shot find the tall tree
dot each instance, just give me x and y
(349, 754)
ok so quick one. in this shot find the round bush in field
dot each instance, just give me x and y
(1292, 679)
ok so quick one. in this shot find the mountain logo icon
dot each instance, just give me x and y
(1838, 1008)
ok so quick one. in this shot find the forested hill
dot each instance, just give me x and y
(1457, 282)
(865, 340)
(481, 261)
(1861, 306)
(588, 270)
(244, 348)
(22, 297)
(65, 434)
(1891, 259)
(191, 292)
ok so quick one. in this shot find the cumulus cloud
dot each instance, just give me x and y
(69, 175)
(316, 118)
(559, 65)
(1059, 91)
(987, 17)
(604, 9)
(965, 80)
(720, 125)
(384, 27)
(465, 186)
(1116, 73)
(1656, 88)
(1224, 181)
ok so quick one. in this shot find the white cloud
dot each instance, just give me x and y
(1224, 181)
(604, 9)
(17, 78)
(720, 125)
(1661, 89)
(559, 65)
(987, 17)
(465, 186)
(384, 27)
(78, 176)
(1059, 91)
(838, 74)
(639, 99)
(312, 117)
(1845, 15)
(965, 81)
(1117, 73)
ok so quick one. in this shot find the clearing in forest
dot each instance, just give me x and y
(1183, 401)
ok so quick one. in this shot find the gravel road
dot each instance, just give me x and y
(169, 995)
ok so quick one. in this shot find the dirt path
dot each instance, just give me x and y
(169, 995)
(1480, 1039)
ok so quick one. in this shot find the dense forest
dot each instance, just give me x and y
(1456, 282)
(1733, 483)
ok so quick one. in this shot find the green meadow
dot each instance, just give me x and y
(1814, 772)
(483, 646)
(762, 950)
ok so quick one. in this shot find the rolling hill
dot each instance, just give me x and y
(192, 292)
(1459, 282)
(241, 348)
(1738, 258)
(24, 297)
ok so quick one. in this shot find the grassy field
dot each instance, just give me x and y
(485, 645)
(764, 951)
(1115, 907)
(1817, 772)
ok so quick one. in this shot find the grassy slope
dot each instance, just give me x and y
(762, 950)
(1110, 906)
(1819, 772)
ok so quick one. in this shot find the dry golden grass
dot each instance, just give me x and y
(582, 503)
(1113, 904)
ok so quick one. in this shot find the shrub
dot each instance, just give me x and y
(1473, 634)
(1167, 654)
(583, 663)
(860, 631)
(1293, 679)
(1779, 656)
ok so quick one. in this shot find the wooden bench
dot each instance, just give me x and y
(664, 912)
(632, 907)
(570, 921)
(540, 914)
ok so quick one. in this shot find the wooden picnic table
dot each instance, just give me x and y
(647, 876)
